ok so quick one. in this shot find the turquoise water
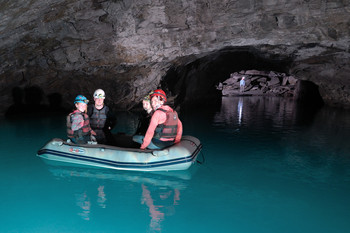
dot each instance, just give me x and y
(269, 166)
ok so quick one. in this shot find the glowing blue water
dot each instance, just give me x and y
(270, 166)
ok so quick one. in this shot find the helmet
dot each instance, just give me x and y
(148, 96)
(81, 99)
(99, 94)
(159, 92)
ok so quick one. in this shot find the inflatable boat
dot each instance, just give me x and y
(176, 157)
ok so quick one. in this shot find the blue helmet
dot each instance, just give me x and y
(81, 99)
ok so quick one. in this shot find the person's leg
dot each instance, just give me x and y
(100, 136)
(82, 140)
(161, 144)
(73, 140)
(152, 146)
(138, 138)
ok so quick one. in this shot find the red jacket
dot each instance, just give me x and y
(159, 117)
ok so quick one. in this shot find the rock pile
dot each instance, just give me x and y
(259, 83)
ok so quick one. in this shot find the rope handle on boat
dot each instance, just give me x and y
(201, 152)
(203, 158)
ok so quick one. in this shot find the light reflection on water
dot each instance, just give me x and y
(310, 141)
(270, 166)
(256, 112)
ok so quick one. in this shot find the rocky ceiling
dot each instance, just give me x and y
(129, 47)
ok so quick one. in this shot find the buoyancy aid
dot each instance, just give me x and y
(98, 118)
(169, 128)
(85, 130)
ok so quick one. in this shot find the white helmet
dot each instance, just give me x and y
(99, 94)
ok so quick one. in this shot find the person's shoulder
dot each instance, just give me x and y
(74, 112)
(77, 115)
(161, 110)
(167, 108)
(158, 112)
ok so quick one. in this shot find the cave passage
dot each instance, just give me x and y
(195, 82)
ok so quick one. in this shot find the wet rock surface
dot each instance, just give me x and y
(130, 47)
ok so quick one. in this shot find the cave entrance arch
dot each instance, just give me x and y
(193, 80)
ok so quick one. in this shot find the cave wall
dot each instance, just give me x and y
(126, 47)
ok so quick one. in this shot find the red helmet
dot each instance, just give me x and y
(159, 92)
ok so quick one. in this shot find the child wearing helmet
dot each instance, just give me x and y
(165, 127)
(145, 118)
(102, 120)
(78, 124)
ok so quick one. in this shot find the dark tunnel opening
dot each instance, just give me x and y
(307, 93)
(194, 83)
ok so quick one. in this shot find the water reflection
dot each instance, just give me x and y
(160, 202)
(159, 192)
(101, 197)
(310, 142)
(240, 108)
(84, 202)
(254, 111)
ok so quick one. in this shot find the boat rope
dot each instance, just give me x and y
(201, 152)
(203, 158)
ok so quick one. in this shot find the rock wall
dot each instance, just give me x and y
(127, 46)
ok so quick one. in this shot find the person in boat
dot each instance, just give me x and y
(78, 123)
(102, 120)
(165, 127)
(145, 118)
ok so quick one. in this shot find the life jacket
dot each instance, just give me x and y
(85, 130)
(169, 128)
(98, 118)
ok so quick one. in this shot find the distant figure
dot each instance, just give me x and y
(219, 87)
(78, 123)
(242, 85)
(102, 120)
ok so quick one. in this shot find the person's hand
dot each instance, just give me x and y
(177, 141)
(93, 132)
(142, 148)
